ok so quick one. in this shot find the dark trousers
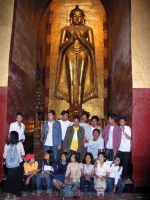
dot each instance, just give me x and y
(110, 154)
(61, 150)
(110, 182)
(31, 186)
(90, 184)
(125, 157)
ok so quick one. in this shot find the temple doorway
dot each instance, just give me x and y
(28, 82)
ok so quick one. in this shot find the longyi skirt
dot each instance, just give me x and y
(13, 183)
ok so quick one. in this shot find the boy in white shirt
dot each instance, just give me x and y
(94, 125)
(114, 178)
(18, 126)
(64, 122)
(96, 144)
(64, 125)
(125, 145)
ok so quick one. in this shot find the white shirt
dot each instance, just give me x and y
(110, 140)
(125, 145)
(87, 169)
(86, 126)
(20, 150)
(49, 139)
(20, 130)
(101, 171)
(89, 134)
(94, 146)
(75, 136)
(64, 126)
(115, 172)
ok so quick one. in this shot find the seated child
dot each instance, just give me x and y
(59, 179)
(87, 174)
(73, 172)
(101, 172)
(114, 176)
(30, 170)
(47, 171)
(96, 144)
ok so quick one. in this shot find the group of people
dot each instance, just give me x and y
(75, 153)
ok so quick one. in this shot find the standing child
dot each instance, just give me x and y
(74, 138)
(52, 134)
(114, 177)
(64, 125)
(59, 179)
(73, 172)
(18, 126)
(94, 125)
(30, 169)
(47, 171)
(112, 136)
(87, 173)
(125, 145)
(96, 144)
(101, 172)
(13, 152)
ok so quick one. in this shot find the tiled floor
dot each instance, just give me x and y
(44, 196)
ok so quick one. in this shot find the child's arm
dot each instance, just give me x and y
(5, 151)
(88, 143)
(68, 173)
(84, 141)
(117, 177)
(107, 172)
(104, 177)
(94, 170)
(55, 169)
(33, 172)
(78, 174)
(128, 134)
(101, 145)
(82, 171)
(45, 129)
(65, 143)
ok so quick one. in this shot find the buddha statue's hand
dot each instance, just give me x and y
(77, 33)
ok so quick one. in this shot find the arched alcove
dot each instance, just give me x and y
(49, 39)
(29, 58)
(25, 51)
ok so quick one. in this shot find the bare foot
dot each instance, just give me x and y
(50, 195)
(90, 196)
(7, 198)
(38, 195)
(122, 197)
(16, 198)
(33, 194)
(24, 195)
(113, 195)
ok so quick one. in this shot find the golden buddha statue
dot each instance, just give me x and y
(76, 73)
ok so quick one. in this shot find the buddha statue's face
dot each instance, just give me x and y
(77, 17)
